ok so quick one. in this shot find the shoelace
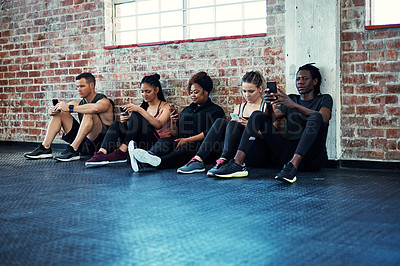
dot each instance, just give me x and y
(219, 163)
(192, 160)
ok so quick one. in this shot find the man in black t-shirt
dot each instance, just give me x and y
(307, 119)
(95, 113)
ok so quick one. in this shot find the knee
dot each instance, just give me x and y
(316, 117)
(256, 115)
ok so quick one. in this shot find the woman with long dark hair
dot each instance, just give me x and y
(145, 125)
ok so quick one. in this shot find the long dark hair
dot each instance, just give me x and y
(154, 82)
(315, 74)
(255, 78)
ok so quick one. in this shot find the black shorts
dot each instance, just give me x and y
(87, 146)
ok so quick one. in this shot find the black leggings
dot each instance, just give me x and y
(172, 157)
(137, 129)
(311, 146)
(224, 137)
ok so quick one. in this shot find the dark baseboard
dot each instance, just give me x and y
(329, 164)
(55, 146)
(369, 164)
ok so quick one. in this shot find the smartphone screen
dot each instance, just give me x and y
(271, 85)
(55, 101)
(235, 116)
(123, 112)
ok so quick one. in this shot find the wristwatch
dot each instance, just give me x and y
(71, 108)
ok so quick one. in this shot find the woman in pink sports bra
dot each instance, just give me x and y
(144, 125)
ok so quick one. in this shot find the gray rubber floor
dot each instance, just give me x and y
(62, 213)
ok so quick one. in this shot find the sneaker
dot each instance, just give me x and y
(39, 153)
(220, 162)
(146, 157)
(117, 156)
(231, 169)
(69, 154)
(288, 173)
(98, 159)
(134, 163)
(193, 166)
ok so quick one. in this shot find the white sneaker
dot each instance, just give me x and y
(146, 157)
(131, 147)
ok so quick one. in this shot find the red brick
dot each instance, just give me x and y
(355, 79)
(365, 110)
(368, 132)
(392, 155)
(393, 88)
(366, 89)
(354, 57)
(391, 55)
(352, 100)
(393, 44)
(393, 133)
(370, 154)
(393, 110)
(354, 143)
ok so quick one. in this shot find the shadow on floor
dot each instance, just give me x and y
(63, 213)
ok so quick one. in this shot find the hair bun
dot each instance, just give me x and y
(156, 76)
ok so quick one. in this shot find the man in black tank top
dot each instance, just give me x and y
(95, 112)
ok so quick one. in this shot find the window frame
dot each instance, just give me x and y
(111, 34)
(369, 18)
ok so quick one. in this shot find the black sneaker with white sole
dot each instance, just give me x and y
(69, 154)
(39, 153)
(288, 173)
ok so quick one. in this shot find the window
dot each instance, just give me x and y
(152, 21)
(382, 14)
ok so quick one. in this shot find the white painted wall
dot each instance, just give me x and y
(312, 29)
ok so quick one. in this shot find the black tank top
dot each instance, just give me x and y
(96, 98)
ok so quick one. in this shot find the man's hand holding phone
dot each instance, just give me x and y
(271, 92)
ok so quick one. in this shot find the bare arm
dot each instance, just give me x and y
(100, 106)
(198, 137)
(157, 123)
(284, 99)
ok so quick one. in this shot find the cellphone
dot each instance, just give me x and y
(55, 101)
(271, 85)
(123, 112)
(235, 116)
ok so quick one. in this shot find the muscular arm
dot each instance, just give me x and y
(101, 106)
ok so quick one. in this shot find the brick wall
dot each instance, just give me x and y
(370, 70)
(45, 44)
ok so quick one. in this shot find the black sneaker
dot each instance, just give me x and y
(39, 153)
(288, 173)
(231, 169)
(69, 154)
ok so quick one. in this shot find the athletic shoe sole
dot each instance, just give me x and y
(190, 172)
(284, 179)
(119, 161)
(145, 157)
(96, 164)
(74, 158)
(42, 156)
(134, 164)
(233, 175)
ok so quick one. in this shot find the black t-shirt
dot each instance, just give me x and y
(195, 119)
(296, 121)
